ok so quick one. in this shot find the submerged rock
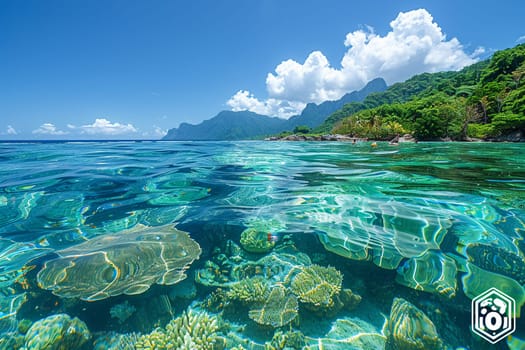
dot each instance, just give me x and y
(57, 332)
(125, 263)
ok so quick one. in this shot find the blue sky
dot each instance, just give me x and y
(133, 69)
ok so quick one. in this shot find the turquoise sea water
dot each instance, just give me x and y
(433, 223)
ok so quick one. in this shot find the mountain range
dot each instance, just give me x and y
(241, 125)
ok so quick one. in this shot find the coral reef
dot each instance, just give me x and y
(287, 340)
(57, 332)
(278, 266)
(213, 275)
(278, 310)
(125, 263)
(410, 329)
(255, 241)
(317, 285)
(196, 330)
(249, 291)
(216, 300)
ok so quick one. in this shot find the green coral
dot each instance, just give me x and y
(317, 285)
(250, 290)
(410, 329)
(278, 310)
(255, 241)
(193, 330)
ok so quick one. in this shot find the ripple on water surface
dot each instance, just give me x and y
(432, 214)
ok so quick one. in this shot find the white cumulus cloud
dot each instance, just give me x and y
(415, 44)
(11, 130)
(106, 127)
(49, 129)
(158, 131)
(244, 100)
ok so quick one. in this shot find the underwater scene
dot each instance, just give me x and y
(258, 245)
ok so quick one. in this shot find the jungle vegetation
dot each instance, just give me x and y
(485, 100)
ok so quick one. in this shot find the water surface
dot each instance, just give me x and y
(384, 209)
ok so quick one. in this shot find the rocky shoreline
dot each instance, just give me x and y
(337, 138)
(516, 136)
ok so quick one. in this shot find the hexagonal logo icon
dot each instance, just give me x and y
(493, 315)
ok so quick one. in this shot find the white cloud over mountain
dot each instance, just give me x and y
(244, 100)
(415, 44)
(49, 129)
(158, 131)
(105, 127)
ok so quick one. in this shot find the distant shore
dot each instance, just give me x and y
(516, 136)
(337, 138)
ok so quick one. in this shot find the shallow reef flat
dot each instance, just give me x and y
(257, 245)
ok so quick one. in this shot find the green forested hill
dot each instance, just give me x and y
(485, 100)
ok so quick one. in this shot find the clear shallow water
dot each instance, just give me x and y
(376, 214)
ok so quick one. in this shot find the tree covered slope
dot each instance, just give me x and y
(485, 100)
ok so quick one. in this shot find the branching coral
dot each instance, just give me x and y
(193, 330)
(250, 290)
